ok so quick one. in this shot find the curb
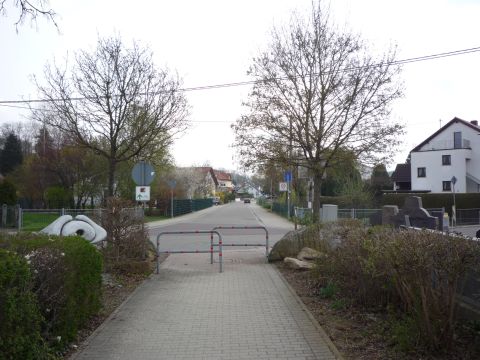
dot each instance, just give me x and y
(85, 342)
(314, 321)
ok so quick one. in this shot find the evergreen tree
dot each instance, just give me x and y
(8, 193)
(11, 155)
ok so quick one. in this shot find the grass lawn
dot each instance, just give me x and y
(155, 218)
(37, 221)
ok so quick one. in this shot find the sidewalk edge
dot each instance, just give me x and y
(85, 342)
(314, 321)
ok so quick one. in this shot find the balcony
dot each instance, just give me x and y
(446, 145)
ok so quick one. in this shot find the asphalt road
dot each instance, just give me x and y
(232, 214)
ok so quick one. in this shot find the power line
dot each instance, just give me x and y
(47, 110)
(253, 82)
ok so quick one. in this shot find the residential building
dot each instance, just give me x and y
(225, 183)
(452, 152)
(401, 178)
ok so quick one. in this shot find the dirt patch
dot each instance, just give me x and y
(356, 332)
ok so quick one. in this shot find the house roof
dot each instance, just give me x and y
(222, 175)
(455, 120)
(402, 173)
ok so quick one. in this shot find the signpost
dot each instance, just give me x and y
(171, 184)
(143, 174)
(287, 176)
(454, 207)
(142, 193)
(283, 186)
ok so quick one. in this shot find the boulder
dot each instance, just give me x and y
(298, 264)
(310, 254)
(288, 246)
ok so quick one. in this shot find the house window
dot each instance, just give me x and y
(447, 185)
(457, 140)
(421, 172)
(446, 160)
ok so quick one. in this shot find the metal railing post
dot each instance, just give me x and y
(4, 215)
(19, 218)
(247, 227)
(211, 248)
(220, 248)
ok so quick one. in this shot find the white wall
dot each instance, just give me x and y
(463, 161)
(436, 173)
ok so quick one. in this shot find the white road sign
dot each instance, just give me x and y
(142, 193)
(283, 186)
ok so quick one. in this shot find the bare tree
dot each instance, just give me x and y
(195, 181)
(318, 91)
(29, 9)
(115, 102)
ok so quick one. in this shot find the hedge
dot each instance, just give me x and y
(66, 281)
(20, 317)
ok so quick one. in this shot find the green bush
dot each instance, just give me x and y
(20, 318)
(67, 267)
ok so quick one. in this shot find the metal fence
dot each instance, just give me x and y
(10, 216)
(468, 216)
(181, 207)
(359, 214)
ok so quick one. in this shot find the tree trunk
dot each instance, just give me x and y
(317, 185)
(111, 176)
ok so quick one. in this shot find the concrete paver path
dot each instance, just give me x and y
(191, 311)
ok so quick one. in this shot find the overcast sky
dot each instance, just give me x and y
(213, 41)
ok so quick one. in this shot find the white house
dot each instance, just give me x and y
(452, 151)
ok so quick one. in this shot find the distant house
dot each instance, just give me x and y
(451, 152)
(225, 183)
(401, 178)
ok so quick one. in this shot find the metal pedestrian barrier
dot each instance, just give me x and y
(211, 251)
(248, 244)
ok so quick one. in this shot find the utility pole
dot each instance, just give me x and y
(289, 179)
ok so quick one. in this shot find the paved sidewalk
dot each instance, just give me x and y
(191, 311)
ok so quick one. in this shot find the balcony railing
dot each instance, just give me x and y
(446, 145)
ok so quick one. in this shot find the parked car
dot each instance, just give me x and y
(246, 201)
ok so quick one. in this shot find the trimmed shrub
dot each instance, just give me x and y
(66, 280)
(20, 318)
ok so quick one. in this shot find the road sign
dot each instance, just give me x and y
(453, 180)
(287, 176)
(143, 173)
(283, 186)
(172, 184)
(142, 193)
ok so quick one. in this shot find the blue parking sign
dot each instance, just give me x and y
(287, 176)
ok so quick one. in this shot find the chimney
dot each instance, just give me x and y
(474, 122)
